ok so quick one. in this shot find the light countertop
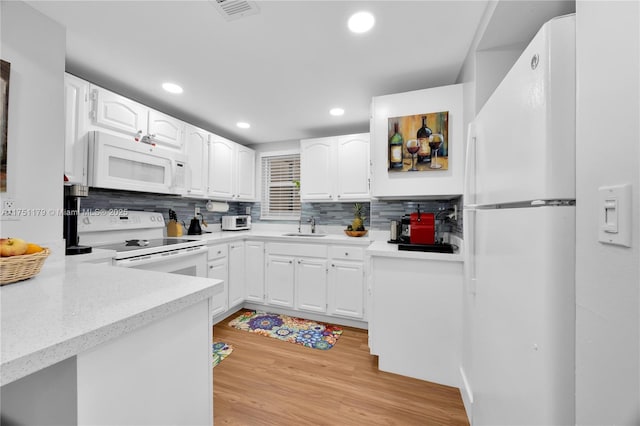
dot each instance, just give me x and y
(328, 238)
(71, 307)
(384, 249)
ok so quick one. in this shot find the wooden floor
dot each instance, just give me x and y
(270, 382)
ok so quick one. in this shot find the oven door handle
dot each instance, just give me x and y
(159, 257)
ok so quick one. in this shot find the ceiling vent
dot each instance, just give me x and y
(235, 9)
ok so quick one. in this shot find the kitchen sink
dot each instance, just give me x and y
(300, 234)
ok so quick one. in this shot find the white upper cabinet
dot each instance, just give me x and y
(221, 157)
(114, 112)
(166, 130)
(316, 163)
(76, 101)
(245, 173)
(231, 170)
(118, 114)
(335, 168)
(197, 150)
(352, 167)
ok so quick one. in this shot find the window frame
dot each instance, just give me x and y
(266, 212)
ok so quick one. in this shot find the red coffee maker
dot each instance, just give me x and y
(422, 228)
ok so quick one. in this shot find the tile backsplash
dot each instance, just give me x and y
(378, 213)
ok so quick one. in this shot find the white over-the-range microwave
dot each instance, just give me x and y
(118, 163)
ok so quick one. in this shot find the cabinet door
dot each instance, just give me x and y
(197, 150)
(115, 112)
(221, 160)
(352, 176)
(316, 165)
(346, 289)
(245, 174)
(166, 131)
(311, 284)
(280, 280)
(236, 273)
(254, 261)
(218, 269)
(76, 108)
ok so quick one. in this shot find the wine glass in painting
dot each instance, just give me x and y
(413, 147)
(435, 140)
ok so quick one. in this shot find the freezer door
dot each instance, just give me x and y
(525, 133)
(524, 317)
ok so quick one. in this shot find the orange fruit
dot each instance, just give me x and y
(33, 248)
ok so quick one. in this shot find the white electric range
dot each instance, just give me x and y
(139, 241)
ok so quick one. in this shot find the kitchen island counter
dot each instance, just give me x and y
(72, 307)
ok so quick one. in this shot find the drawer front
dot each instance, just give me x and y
(346, 252)
(297, 250)
(218, 251)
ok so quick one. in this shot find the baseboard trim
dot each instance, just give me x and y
(467, 395)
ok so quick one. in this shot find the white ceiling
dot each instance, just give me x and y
(280, 70)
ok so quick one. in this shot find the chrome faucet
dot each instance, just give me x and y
(313, 224)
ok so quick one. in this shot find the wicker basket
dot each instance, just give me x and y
(18, 268)
(356, 233)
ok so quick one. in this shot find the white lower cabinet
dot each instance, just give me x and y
(346, 288)
(218, 268)
(311, 284)
(236, 273)
(254, 266)
(346, 281)
(280, 280)
(312, 277)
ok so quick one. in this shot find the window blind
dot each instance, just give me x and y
(280, 194)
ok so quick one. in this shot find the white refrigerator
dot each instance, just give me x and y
(519, 225)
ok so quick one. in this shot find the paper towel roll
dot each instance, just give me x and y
(215, 206)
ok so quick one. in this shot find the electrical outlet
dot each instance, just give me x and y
(247, 210)
(9, 209)
(197, 211)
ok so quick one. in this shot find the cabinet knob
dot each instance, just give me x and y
(346, 253)
(338, 195)
(291, 261)
(333, 265)
(219, 251)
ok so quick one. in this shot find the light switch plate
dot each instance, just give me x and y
(614, 214)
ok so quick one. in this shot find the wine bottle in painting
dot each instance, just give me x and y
(423, 141)
(444, 148)
(395, 149)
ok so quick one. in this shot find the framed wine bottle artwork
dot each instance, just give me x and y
(419, 143)
(5, 68)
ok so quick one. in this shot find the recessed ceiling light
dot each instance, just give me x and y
(361, 22)
(336, 111)
(172, 88)
(243, 125)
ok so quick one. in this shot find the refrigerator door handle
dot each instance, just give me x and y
(469, 188)
(470, 271)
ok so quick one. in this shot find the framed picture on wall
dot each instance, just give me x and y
(5, 68)
(419, 143)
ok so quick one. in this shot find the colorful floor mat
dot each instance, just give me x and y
(220, 351)
(290, 329)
